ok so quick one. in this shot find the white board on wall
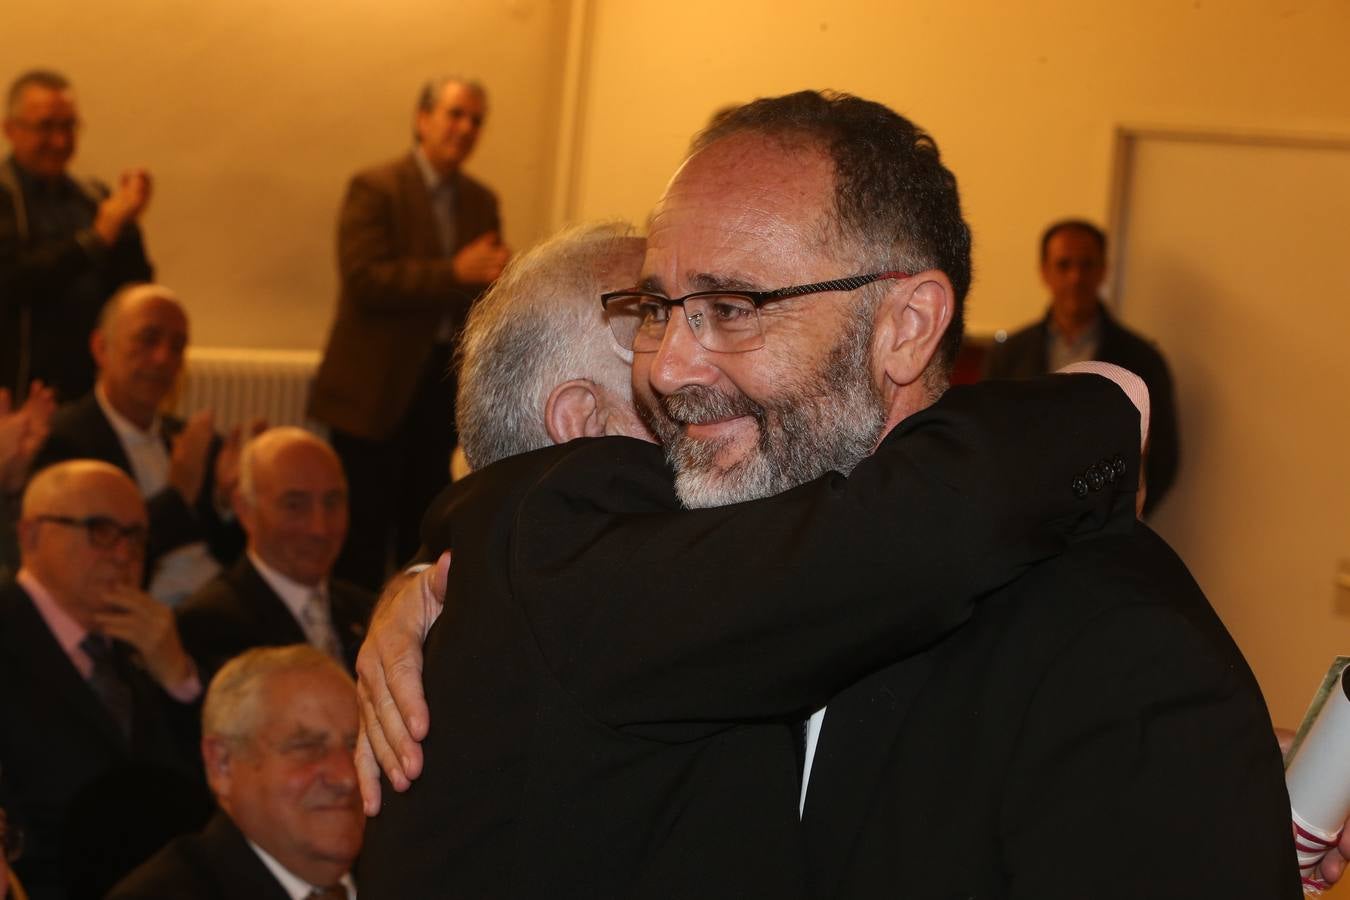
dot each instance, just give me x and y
(1232, 255)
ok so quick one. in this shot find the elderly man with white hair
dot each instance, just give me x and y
(277, 730)
(292, 502)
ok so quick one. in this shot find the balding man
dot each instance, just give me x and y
(96, 691)
(277, 730)
(65, 244)
(797, 315)
(184, 472)
(292, 502)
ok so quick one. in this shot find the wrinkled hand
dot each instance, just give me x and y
(227, 460)
(123, 205)
(482, 260)
(394, 715)
(187, 461)
(22, 432)
(134, 617)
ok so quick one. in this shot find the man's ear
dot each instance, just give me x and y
(98, 346)
(217, 759)
(910, 323)
(573, 410)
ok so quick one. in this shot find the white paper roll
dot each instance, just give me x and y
(1319, 777)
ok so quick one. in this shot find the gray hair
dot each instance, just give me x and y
(539, 326)
(431, 90)
(270, 440)
(47, 78)
(233, 709)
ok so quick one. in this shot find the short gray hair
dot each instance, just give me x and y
(268, 440)
(431, 90)
(539, 326)
(233, 709)
(46, 78)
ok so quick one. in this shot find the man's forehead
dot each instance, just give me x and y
(742, 213)
(41, 96)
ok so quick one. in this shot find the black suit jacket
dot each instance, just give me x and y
(217, 864)
(610, 685)
(81, 431)
(61, 757)
(52, 286)
(1023, 355)
(1092, 732)
(238, 609)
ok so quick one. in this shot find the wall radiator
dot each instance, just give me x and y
(242, 384)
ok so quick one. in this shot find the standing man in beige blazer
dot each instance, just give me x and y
(418, 240)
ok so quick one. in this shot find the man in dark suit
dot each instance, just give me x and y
(65, 244)
(1078, 326)
(184, 472)
(418, 240)
(292, 502)
(276, 727)
(96, 692)
(751, 401)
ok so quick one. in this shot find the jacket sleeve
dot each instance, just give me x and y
(378, 271)
(766, 609)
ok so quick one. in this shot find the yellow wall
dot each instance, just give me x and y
(1022, 97)
(252, 115)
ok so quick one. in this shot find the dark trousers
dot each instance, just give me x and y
(391, 482)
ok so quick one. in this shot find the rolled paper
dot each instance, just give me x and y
(1318, 777)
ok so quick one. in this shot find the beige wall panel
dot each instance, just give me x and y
(1244, 281)
(1023, 97)
(252, 115)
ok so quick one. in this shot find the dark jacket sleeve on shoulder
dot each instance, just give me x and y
(767, 608)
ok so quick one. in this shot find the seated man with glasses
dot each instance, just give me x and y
(97, 696)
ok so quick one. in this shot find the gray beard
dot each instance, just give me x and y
(829, 419)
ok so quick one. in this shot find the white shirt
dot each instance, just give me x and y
(296, 597)
(184, 569)
(295, 886)
(813, 726)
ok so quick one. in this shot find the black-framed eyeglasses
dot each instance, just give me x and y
(722, 321)
(104, 532)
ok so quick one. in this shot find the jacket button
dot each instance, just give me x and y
(1119, 465)
(1080, 487)
(1096, 480)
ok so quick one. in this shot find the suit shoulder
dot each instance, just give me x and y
(384, 174)
(472, 187)
(175, 872)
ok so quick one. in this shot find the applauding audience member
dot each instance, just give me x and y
(65, 244)
(185, 473)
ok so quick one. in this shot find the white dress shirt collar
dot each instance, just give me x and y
(297, 887)
(294, 594)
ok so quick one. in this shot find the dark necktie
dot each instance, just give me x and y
(336, 892)
(106, 679)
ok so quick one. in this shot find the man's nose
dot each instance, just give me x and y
(681, 360)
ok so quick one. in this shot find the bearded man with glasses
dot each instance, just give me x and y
(677, 653)
(97, 695)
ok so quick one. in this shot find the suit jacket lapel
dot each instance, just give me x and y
(422, 235)
(274, 615)
(102, 438)
(57, 675)
(861, 727)
(234, 867)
